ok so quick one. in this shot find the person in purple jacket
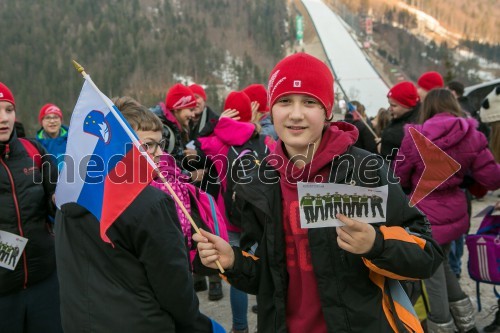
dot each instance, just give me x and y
(442, 123)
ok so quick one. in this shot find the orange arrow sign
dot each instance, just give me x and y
(439, 166)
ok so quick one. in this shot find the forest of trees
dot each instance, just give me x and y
(134, 47)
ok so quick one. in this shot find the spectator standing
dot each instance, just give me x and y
(53, 135)
(442, 122)
(29, 294)
(404, 103)
(142, 280)
(320, 279)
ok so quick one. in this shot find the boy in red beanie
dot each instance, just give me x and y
(331, 279)
(29, 290)
(53, 135)
(404, 103)
(260, 108)
(428, 81)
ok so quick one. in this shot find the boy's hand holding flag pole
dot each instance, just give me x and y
(96, 172)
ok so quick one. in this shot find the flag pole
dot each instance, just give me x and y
(81, 70)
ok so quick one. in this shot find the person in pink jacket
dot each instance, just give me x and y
(442, 123)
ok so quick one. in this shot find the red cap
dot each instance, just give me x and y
(430, 80)
(405, 93)
(238, 100)
(49, 109)
(6, 94)
(180, 97)
(198, 90)
(258, 93)
(302, 74)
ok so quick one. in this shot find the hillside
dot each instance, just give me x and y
(475, 20)
(136, 47)
(141, 47)
(407, 41)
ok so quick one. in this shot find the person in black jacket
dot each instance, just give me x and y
(29, 294)
(142, 281)
(403, 106)
(366, 139)
(333, 279)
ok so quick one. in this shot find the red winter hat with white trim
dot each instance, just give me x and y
(180, 97)
(239, 101)
(49, 109)
(302, 73)
(258, 93)
(6, 94)
(405, 93)
(430, 80)
(198, 90)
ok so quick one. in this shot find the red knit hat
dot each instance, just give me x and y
(6, 94)
(180, 97)
(258, 93)
(430, 80)
(302, 74)
(239, 101)
(198, 90)
(405, 93)
(49, 109)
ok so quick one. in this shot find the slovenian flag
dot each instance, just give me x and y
(104, 167)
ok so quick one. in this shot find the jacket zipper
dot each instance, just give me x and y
(19, 226)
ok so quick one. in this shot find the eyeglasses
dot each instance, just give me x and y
(152, 146)
(49, 118)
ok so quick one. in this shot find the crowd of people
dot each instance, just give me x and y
(235, 174)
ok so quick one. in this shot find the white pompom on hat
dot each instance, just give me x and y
(490, 108)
